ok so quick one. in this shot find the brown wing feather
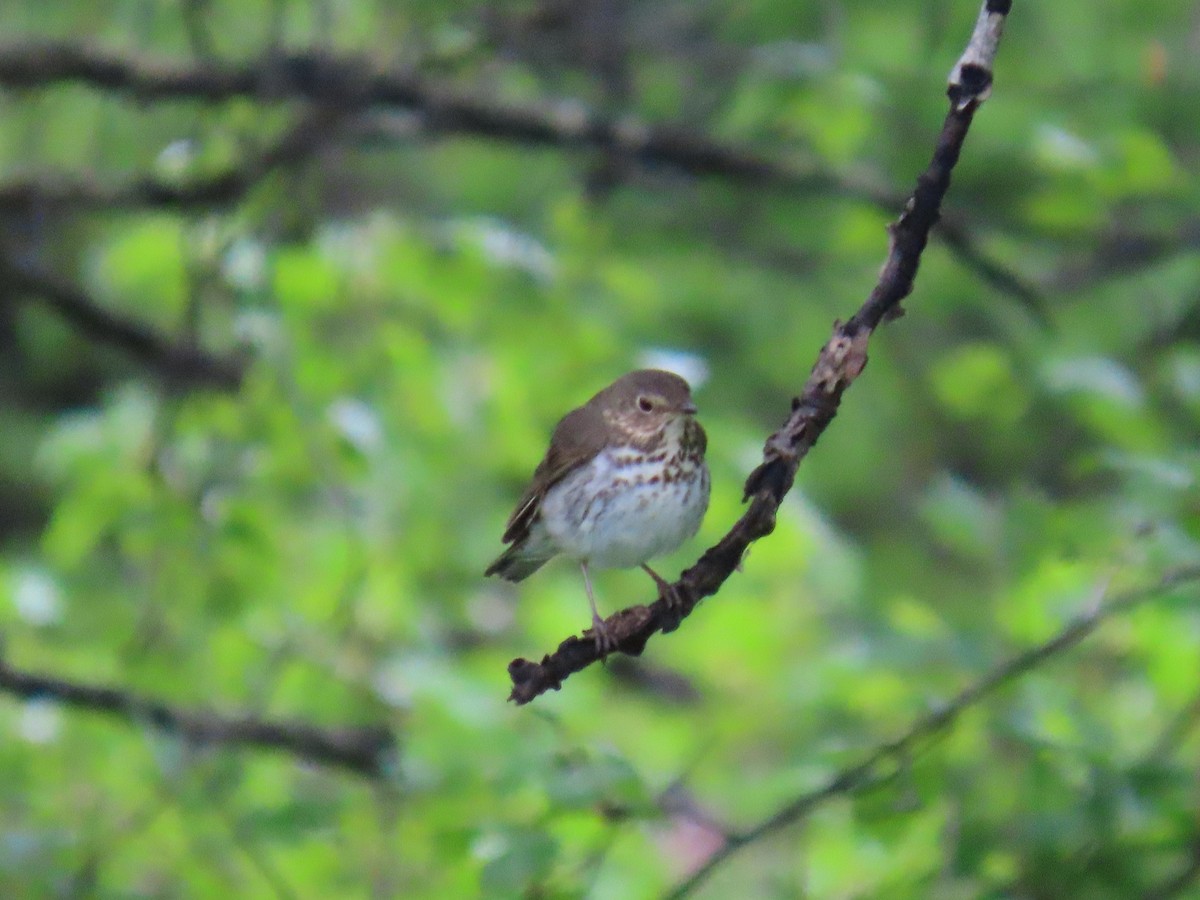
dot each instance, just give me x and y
(577, 438)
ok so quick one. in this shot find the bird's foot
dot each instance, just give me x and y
(606, 643)
(669, 594)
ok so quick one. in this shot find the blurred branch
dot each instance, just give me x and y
(1180, 883)
(320, 77)
(300, 142)
(963, 246)
(900, 750)
(841, 361)
(355, 83)
(366, 750)
(176, 361)
(1123, 249)
(1183, 724)
(32, 64)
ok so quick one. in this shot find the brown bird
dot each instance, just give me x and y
(624, 481)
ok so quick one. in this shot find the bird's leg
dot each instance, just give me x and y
(666, 590)
(604, 639)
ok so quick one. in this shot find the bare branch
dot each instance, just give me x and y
(867, 772)
(366, 750)
(841, 361)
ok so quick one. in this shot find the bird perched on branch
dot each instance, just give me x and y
(624, 481)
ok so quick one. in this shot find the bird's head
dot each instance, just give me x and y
(648, 402)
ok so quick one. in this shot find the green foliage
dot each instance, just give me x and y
(420, 307)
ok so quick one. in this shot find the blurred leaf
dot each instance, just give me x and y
(143, 267)
(525, 859)
(976, 382)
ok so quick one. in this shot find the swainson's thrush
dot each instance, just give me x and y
(624, 481)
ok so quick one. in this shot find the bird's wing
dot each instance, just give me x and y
(578, 437)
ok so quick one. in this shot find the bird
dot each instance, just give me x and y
(623, 481)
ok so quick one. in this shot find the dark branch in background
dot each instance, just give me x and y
(178, 362)
(1122, 249)
(963, 246)
(298, 143)
(871, 770)
(840, 362)
(367, 750)
(323, 78)
(353, 83)
(1181, 883)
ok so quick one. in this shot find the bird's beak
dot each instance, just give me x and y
(689, 408)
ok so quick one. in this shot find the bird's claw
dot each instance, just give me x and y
(671, 595)
(667, 592)
(605, 642)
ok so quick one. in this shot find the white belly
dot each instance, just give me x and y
(633, 520)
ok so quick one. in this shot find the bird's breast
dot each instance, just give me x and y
(629, 504)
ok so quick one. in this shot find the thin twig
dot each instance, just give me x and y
(866, 772)
(840, 362)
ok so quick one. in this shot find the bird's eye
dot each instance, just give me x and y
(645, 404)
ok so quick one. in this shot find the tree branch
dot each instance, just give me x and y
(356, 83)
(176, 361)
(366, 750)
(841, 361)
(866, 772)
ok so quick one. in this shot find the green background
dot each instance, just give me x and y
(419, 303)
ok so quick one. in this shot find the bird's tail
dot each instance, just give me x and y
(518, 562)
